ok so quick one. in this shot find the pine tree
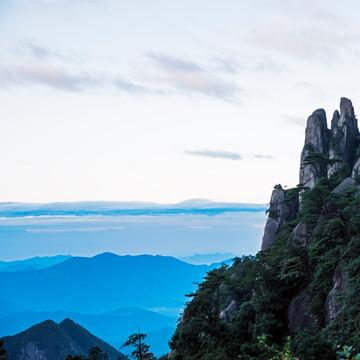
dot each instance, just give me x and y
(141, 351)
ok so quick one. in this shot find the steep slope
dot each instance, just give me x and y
(304, 284)
(51, 341)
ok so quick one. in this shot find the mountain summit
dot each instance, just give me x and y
(51, 341)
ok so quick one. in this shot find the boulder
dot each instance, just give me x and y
(302, 233)
(333, 301)
(346, 184)
(227, 314)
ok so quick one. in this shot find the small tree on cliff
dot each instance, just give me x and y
(141, 351)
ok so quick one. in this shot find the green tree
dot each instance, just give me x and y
(141, 350)
(96, 353)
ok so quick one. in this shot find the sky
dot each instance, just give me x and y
(163, 101)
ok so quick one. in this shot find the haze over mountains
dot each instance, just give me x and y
(110, 295)
(35, 263)
(123, 292)
(102, 283)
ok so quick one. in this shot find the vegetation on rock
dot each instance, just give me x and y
(297, 299)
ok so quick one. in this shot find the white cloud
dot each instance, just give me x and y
(191, 77)
(215, 154)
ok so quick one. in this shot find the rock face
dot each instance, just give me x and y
(344, 136)
(333, 301)
(280, 212)
(338, 144)
(325, 151)
(228, 313)
(302, 232)
(274, 218)
(317, 138)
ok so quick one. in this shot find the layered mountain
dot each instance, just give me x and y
(298, 297)
(51, 341)
(103, 283)
(35, 263)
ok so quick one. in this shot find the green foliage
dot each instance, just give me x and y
(348, 352)
(96, 353)
(264, 286)
(141, 350)
(312, 345)
(276, 354)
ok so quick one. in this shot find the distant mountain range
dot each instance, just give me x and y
(51, 341)
(103, 283)
(207, 259)
(108, 294)
(42, 262)
(35, 263)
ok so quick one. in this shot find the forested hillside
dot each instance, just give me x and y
(299, 296)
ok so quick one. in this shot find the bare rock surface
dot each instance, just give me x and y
(297, 317)
(344, 136)
(333, 300)
(317, 138)
(227, 314)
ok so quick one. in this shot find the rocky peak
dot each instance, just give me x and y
(317, 138)
(280, 212)
(344, 136)
(338, 143)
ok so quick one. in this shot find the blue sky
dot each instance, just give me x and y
(166, 101)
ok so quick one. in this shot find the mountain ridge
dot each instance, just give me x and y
(51, 341)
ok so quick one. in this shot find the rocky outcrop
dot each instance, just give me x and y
(333, 300)
(297, 313)
(338, 144)
(303, 232)
(227, 314)
(317, 138)
(280, 212)
(346, 184)
(344, 136)
(274, 218)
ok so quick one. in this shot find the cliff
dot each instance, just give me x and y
(325, 151)
(299, 294)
